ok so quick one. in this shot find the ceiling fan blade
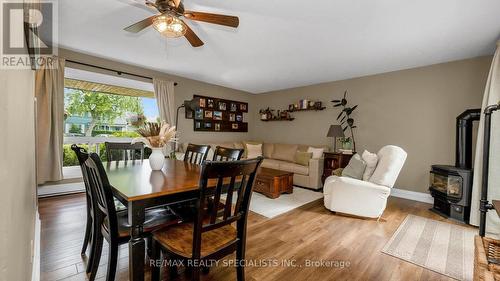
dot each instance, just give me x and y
(193, 39)
(230, 21)
(138, 26)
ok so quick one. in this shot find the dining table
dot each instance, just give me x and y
(138, 187)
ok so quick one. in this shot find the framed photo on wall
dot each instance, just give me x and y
(208, 114)
(218, 115)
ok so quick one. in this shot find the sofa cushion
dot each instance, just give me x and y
(294, 168)
(285, 152)
(355, 168)
(390, 162)
(302, 158)
(267, 150)
(271, 164)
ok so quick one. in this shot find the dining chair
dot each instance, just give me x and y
(184, 241)
(196, 154)
(82, 155)
(110, 224)
(116, 151)
(227, 154)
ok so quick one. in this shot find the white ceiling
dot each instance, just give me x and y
(288, 43)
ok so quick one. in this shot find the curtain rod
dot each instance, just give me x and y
(112, 70)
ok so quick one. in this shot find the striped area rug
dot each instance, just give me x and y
(438, 246)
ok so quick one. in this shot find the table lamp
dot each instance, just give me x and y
(335, 132)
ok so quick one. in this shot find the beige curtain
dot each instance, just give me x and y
(491, 96)
(49, 92)
(164, 93)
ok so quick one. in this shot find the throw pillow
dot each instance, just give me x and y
(355, 168)
(245, 143)
(371, 160)
(302, 158)
(254, 150)
(317, 152)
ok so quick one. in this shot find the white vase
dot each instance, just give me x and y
(156, 159)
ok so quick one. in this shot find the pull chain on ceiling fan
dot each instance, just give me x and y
(169, 21)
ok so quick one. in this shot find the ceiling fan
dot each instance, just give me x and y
(169, 21)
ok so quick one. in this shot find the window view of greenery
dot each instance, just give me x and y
(94, 114)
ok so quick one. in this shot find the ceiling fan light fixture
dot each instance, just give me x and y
(169, 25)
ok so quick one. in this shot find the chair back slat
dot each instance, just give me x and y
(229, 199)
(124, 149)
(215, 177)
(101, 190)
(196, 154)
(216, 200)
(239, 200)
(227, 154)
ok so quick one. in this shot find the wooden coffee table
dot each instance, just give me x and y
(272, 183)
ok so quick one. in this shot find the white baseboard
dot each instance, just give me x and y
(412, 195)
(35, 271)
(58, 189)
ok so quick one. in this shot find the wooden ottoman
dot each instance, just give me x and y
(272, 183)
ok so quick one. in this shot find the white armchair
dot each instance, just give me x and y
(366, 198)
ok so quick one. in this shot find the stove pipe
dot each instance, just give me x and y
(463, 154)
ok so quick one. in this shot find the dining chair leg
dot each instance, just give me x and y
(195, 273)
(149, 246)
(112, 261)
(240, 257)
(156, 257)
(88, 230)
(93, 246)
(96, 256)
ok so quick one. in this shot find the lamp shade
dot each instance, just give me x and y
(335, 131)
(193, 104)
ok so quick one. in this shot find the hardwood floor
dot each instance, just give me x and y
(307, 233)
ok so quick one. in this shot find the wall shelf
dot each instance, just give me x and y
(278, 119)
(307, 109)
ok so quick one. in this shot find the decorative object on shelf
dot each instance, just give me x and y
(156, 136)
(219, 115)
(346, 120)
(268, 115)
(335, 132)
(304, 105)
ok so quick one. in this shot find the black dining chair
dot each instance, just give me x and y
(116, 151)
(82, 156)
(110, 224)
(184, 241)
(196, 154)
(227, 154)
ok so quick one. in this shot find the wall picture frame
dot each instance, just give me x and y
(219, 115)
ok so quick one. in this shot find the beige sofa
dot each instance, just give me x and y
(281, 157)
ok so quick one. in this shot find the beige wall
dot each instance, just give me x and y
(414, 109)
(17, 174)
(185, 90)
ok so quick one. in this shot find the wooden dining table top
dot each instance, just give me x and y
(134, 180)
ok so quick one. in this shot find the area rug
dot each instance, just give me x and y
(438, 246)
(271, 208)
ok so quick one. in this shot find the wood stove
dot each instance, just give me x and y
(451, 186)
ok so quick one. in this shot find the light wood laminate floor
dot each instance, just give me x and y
(309, 233)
